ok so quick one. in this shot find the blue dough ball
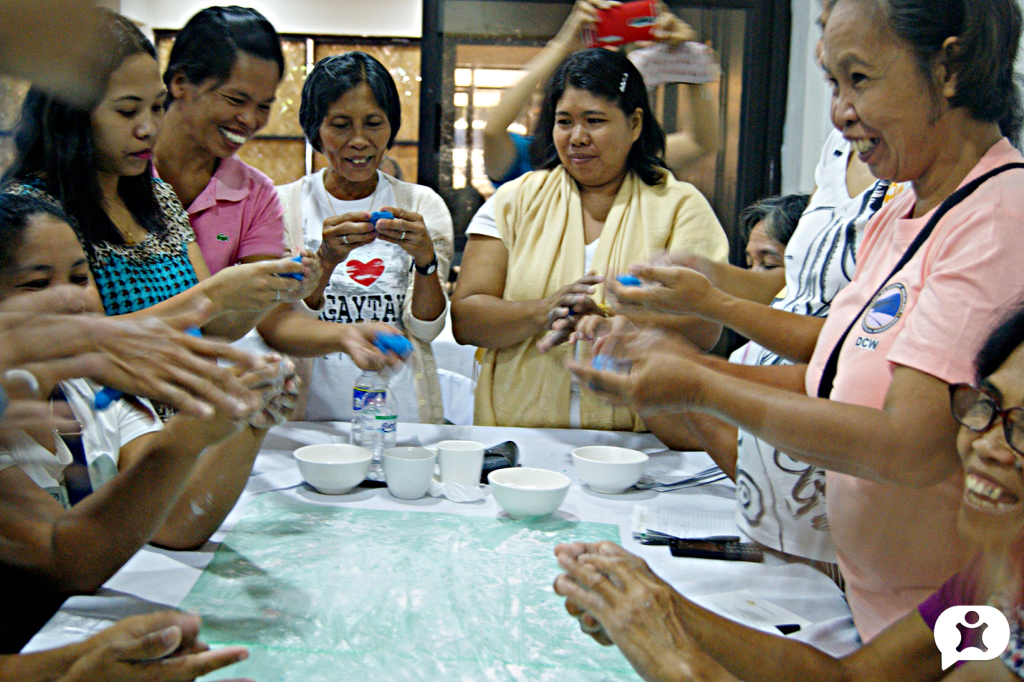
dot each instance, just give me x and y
(628, 281)
(396, 343)
(294, 275)
(380, 215)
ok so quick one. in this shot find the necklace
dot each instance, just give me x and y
(125, 224)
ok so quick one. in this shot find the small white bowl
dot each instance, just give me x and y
(333, 468)
(524, 492)
(608, 469)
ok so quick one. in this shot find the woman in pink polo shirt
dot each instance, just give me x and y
(221, 80)
(924, 92)
(223, 72)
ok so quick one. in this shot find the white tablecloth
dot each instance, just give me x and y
(163, 577)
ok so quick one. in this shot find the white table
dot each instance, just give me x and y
(164, 577)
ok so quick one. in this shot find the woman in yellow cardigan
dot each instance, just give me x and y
(601, 200)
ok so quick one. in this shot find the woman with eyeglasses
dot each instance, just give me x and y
(620, 601)
(924, 91)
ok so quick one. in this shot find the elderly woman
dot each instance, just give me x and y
(602, 200)
(386, 270)
(924, 91)
(667, 637)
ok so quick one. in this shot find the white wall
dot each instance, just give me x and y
(807, 107)
(391, 18)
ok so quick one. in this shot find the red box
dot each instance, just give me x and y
(625, 23)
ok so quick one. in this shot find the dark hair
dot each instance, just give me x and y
(208, 45)
(610, 76)
(15, 212)
(1007, 336)
(54, 145)
(332, 77)
(988, 33)
(780, 214)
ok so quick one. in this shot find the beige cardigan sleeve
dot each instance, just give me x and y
(438, 220)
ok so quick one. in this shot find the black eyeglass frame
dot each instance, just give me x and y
(997, 411)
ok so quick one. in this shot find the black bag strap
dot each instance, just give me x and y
(828, 376)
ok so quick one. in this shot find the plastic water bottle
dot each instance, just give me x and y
(375, 425)
(366, 384)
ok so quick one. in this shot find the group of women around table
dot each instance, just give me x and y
(169, 219)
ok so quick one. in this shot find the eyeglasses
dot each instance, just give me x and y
(977, 410)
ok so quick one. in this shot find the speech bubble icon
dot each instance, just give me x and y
(953, 624)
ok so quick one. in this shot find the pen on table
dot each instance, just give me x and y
(107, 396)
(667, 539)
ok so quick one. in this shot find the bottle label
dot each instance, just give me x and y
(387, 423)
(361, 395)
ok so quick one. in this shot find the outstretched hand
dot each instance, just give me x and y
(157, 647)
(634, 609)
(662, 377)
(666, 288)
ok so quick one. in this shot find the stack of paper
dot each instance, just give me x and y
(679, 523)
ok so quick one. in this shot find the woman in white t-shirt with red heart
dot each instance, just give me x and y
(384, 270)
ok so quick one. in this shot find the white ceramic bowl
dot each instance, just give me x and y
(333, 468)
(524, 492)
(608, 469)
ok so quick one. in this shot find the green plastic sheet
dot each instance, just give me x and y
(336, 594)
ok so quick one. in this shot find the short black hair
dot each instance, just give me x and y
(54, 145)
(16, 210)
(332, 77)
(610, 76)
(1005, 338)
(988, 34)
(781, 215)
(208, 45)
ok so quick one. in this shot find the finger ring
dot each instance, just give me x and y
(402, 238)
(277, 295)
(344, 239)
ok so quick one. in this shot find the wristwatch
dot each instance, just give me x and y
(430, 268)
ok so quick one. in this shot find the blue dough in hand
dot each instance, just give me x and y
(107, 396)
(628, 281)
(380, 215)
(608, 363)
(396, 343)
(294, 275)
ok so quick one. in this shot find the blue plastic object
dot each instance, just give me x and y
(106, 396)
(294, 275)
(380, 215)
(396, 343)
(609, 363)
(628, 281)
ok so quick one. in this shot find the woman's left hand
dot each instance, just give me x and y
(636, 610)
(279, 393)
(408, 231)
(315, 270)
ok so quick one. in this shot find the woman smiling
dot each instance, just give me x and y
(383, 270)
(620, 601)
(924, 91)
(603, 200)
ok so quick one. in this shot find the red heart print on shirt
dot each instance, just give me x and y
(364, 273)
